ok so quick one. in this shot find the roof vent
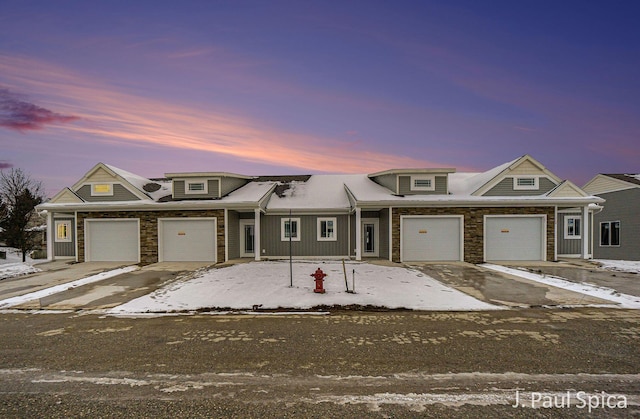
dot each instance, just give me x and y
(151, 187)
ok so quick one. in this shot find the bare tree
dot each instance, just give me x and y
(19, 194)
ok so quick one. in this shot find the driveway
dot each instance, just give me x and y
(116, 290)
(499, 288)
(623, 282)
(53, 273)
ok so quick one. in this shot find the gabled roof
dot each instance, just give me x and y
(412, 172)
(319, 192)
(567, 189)
(604, 183)
(65, 196)
(132, 182)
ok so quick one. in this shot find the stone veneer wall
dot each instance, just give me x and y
(474, 227)
(149, 229)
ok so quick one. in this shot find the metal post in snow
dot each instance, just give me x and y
(353, 281)
(290, 253)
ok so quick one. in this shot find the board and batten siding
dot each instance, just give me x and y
(65, 249)
(623, 206)
(383, 246)
(569, 246)
(179, 190)
(120, 193)
(233, 234)
(505, 188)
(274, 246)
(440, 187)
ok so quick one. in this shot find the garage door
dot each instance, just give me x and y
(187, 240)
(431, 239)
(114, 240)
(514, 238)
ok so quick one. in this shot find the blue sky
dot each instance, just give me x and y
(274, 87)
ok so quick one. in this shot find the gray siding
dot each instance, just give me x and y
(270, 237)
(568, 246)
(384, 234)
(179, 188)
(233, 234)
(388, 181)
(230, 184)
(352, 233)
(505, 188)
(120, 193)
(63, 249)
(405, 186)
(623, 206)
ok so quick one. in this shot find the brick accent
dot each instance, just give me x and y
(149, 229)
(474, 227)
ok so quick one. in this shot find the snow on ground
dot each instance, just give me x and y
(267, 284)
(13, 266)
(620, 265)
(13, 301)
(625, 300)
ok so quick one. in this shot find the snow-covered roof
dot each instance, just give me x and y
(319, 192)
(250, 193)
(140, 182)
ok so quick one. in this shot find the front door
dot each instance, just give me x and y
(247, 238)
(370, 241)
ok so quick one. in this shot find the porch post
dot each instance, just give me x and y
(256, 235)
(358, 234)
(50, 232)
(226, 235)
(586, 229)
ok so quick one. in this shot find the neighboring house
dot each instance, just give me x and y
(617, 226)
(403, 215)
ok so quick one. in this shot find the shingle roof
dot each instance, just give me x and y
(635, 179)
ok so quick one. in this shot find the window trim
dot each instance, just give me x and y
(68, 238)
(574, 236)
(430, 178)
(108, 193)
(334, 236)
(189, 182)
(518, 187)
(283, 222)
(610, 235)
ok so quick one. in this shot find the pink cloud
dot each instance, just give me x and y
(113, 116)
(20, 115)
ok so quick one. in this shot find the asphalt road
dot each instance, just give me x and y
(346, 364)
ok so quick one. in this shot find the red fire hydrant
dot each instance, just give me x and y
(318, 276)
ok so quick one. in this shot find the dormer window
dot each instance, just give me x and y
(102, 189)
(423, 183)
(195, 187)
(526, 183)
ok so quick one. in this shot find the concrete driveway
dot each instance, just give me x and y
(116, 290)
(580, 271)
(500, 288)
(53, 273)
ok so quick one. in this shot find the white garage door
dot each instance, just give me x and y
(187, 240)
(431, 239)
(514, 238)
(110, 240)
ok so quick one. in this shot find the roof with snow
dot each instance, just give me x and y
(634, 178)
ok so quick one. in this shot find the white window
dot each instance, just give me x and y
(200, 186)
(290, 227)
(102, 189)
(63, 231)
(423, 183)
(526, 183)
(572, 227)
(327, 229)
(610, 233)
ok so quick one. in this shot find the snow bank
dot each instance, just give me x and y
(266, 284)
(624, 300)
(9, 270)
(632, 266)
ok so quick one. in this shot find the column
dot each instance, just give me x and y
(256, 235)
(358, 234)
(586, 228)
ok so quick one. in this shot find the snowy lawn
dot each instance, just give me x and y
(13, 266)
(632, 266)
(624, 300)
(266, 284)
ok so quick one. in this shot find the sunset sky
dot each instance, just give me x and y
(297, 87)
